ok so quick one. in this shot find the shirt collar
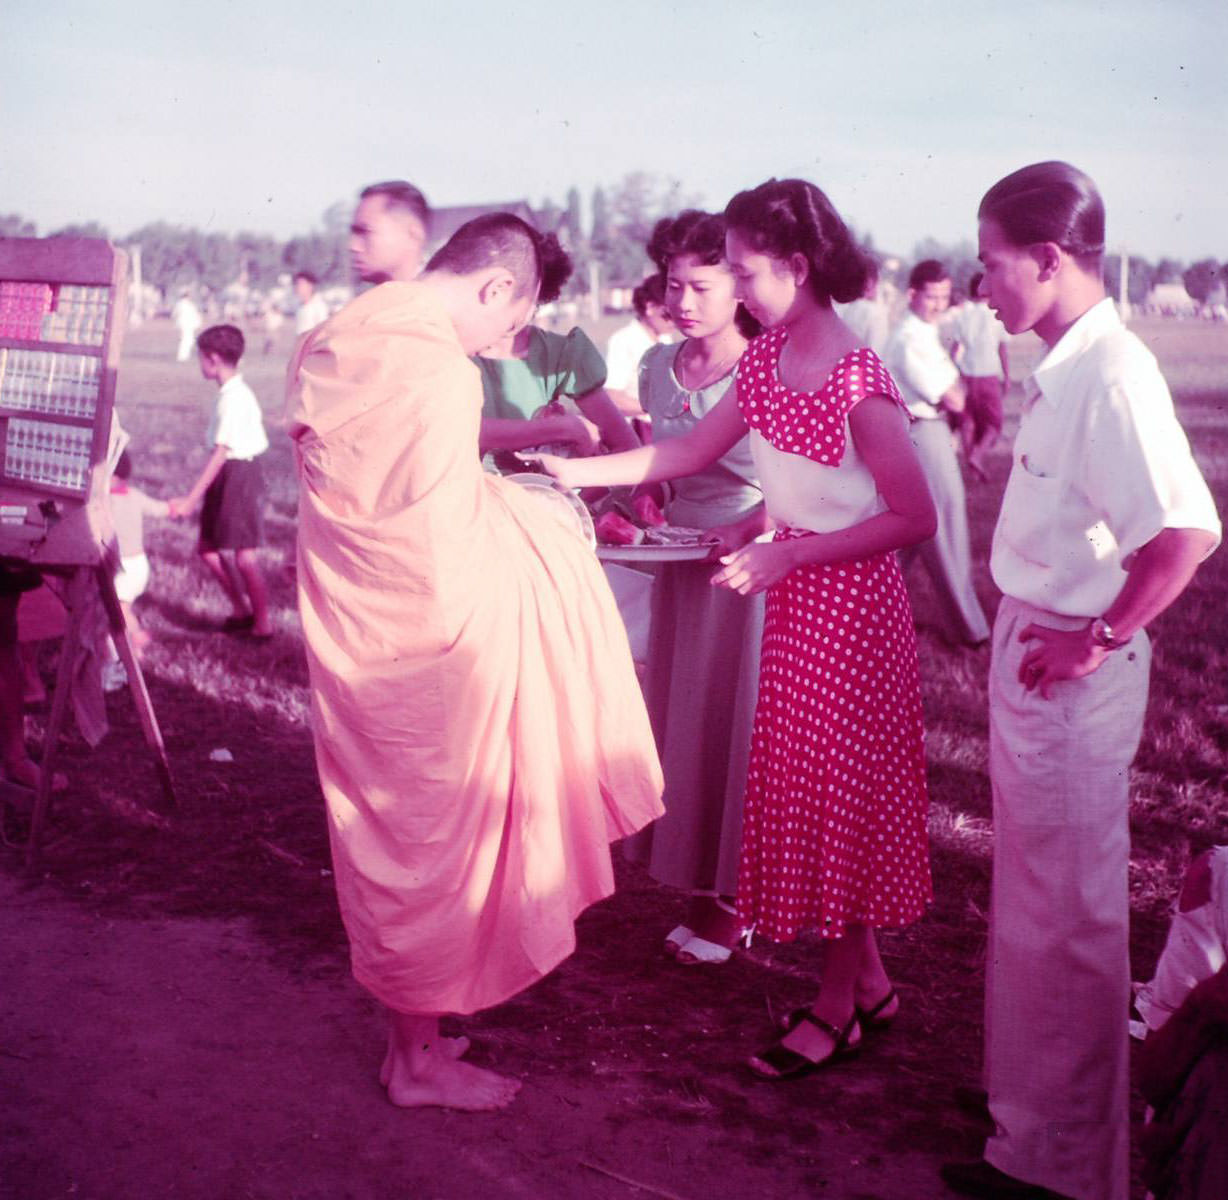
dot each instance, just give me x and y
(233, 380)
(1051, 375)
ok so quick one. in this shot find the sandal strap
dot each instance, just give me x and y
(840, 1037)
(868, 1014)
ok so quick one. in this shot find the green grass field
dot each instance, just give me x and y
(249, 838)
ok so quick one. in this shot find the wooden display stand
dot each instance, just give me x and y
(62, 313)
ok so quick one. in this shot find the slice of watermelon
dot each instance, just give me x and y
(614, 530)
(645, 510)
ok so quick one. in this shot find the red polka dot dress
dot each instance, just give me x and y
(835, 818)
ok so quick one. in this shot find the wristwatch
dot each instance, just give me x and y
(1103, 635)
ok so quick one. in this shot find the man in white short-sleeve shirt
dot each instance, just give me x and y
(981, 342)
(930, 384)
(1104, 522)
(312, 307)
(867, 316)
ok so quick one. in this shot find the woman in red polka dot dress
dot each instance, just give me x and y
(834, 835)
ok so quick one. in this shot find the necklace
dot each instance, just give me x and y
(709, 377)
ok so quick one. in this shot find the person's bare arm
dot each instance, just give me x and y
(616, 432)
(501, 433)
(180, 506)
(1160, 572)
(673, 458)
(881, 436)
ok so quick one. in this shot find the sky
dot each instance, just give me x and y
(260, 114)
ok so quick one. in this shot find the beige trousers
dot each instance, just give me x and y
(1057, 978)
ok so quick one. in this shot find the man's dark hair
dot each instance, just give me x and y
(223, 340)
(123, 465)
(928, 270)
(493, 240)
(650, 291)
(397, 193)
(974, 284)
(1049, 202)
(307, 275)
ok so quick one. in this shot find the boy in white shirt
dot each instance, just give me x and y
(232, 486)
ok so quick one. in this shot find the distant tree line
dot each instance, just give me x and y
(1200, 278)
(621, 218)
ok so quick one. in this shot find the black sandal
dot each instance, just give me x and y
(870, 1018)
(783, 1063)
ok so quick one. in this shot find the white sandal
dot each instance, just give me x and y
(677, 938)
(700, 952)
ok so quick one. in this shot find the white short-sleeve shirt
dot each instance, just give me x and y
(980, 335)
(310, 313)
(626, 347)
(1101, 466)
(921, 367)
(237, 422)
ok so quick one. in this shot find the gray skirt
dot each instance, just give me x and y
(703, 673)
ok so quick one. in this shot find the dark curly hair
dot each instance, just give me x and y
(790, 216)
(701, 235)
(1049, 202)
(556, 268)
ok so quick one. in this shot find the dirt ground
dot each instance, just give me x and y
(170, 1056)
(181, 1058)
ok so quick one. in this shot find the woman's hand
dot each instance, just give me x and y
(754, 568)
(553, 465)
(736, 534)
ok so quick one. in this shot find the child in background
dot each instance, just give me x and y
(129, 508)
(231, 486)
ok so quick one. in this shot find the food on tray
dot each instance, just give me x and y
(644, 509)
(676, 535)
(613, 529)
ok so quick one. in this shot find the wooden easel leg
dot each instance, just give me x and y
(77, 584)
(136, 684)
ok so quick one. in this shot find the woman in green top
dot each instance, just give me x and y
(527, 378)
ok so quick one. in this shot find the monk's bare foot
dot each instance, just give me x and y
(452, 1047)
(438, 1080)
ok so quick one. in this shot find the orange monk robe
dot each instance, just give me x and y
(479, 730)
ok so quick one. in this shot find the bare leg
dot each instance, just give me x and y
(222, 571)
(453, 1047)
(422, 1074)
(248, 567)
(136, 634)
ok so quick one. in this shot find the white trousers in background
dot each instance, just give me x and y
(1057, 977)
(947, 556)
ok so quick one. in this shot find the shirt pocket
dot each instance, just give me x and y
(1030, 513)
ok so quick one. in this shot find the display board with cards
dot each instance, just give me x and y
(62, 314)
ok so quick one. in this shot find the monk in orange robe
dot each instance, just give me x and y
(479, 731)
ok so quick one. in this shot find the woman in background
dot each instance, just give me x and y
(543, 388)
(703, 661)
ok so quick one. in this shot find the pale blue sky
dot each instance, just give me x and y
(258, 115)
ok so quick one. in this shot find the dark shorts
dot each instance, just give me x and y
(984, 404)
(232, 516)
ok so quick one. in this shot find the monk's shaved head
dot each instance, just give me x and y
(494, 240)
